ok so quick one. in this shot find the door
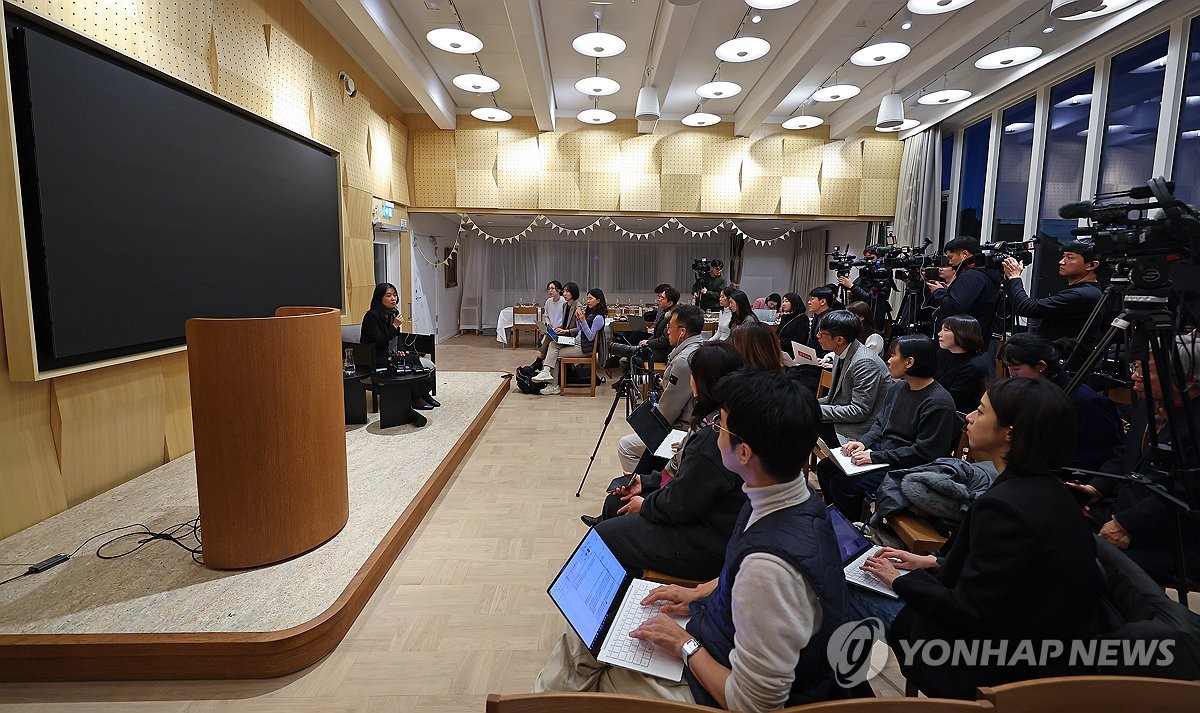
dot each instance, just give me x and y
(425, 285)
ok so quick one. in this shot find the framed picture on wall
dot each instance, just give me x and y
(451, 267)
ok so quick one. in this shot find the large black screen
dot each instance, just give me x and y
(147, 203)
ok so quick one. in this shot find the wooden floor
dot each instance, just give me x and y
(463, 612)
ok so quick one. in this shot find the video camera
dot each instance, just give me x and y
(1134, 244)
(701, 266)
(994, 254)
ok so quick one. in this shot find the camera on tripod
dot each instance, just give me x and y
(629, 351)
(994, 254)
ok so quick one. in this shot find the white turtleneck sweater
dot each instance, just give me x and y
(775, 613)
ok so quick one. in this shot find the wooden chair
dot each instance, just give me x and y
(663, 578)
(1088, 694)
(584, 703)
(918, 533)
(588, 389)
(823, 388)
(534, 327)
(894, 705)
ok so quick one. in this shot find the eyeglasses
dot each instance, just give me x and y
(716, 426)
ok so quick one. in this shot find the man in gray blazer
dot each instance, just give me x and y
(860, 379)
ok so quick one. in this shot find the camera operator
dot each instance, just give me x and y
(869, 288)
(683, 332)
(975, 289)
(708, 289)
(658, 342)
(1064, 313)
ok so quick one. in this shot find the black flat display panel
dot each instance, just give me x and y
(148, 203)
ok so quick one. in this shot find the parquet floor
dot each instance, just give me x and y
(463, 612)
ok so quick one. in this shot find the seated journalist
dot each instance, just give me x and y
(758, 633)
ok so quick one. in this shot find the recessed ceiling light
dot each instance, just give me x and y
(452, 39)
(1010, 57)
(936, 7)
(770, 4)
(1108, 8)
(596, 116)
(803, 121)
(908, 124)
(597, 86)
(478, 83)
(836, 93)
(701, 119)
(756, 18)
(719, 90)
(599, 44)
(881, 53)
(944, 96)
(490, 113)
(743, 49)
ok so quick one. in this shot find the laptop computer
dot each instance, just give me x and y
(766, 315)
(564, 339)
(636, 324)
(601, 601)
(854, 549)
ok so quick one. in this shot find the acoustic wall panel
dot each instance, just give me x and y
(518, 170)
(433, 168)
(290, 70)
(399, 147)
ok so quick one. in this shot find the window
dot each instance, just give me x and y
(973, 175)
(947, 159)
(1135, 90)
(1066, 142)
(1012, 179)
(1187, 148)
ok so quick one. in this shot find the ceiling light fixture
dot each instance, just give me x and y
(700, 118)
(1008, 57)
(478, 83)
(490, 113)
(770, 4)
(891, 112)
(1063, 9)
(597, 86)
(598, 44)
(906, 23)
(880, 53)
(1108, 8)
(719, 90)
(908, 124)
(804, 121)
(452, 39)
(756, 17)
(743, 49)
(944, 96)
(936, 7)
(596, 116)
(836, 93)
(1019, 127)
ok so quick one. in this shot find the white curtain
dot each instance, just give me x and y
(919, 195)
(470, 263)
(810, 270)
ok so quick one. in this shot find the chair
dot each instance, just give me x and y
(894, 705)
(1088, 694)
(567, 389)
(823, 388)
(528, 325)
(583, 703)
(664, 578)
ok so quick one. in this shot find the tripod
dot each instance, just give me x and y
(908, 318)
(626, 387)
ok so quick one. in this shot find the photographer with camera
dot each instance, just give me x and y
(873, 285)
(683, 332)
(975, 289)
(1064, 313)
(709, 284)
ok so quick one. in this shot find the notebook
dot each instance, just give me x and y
(664, 449)
(766, 315)
(854, 550)
(601, 601)
(804, 354)
(843, 461)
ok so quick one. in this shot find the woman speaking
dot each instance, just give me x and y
(380, 325)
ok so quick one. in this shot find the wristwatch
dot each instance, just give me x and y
(689, 647)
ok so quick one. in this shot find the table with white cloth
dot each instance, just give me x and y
(504, 322)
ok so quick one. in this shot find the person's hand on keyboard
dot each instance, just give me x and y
(662, 631)
(676, 598)
(887, 562)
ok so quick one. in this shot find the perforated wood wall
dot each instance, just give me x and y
(66, 439)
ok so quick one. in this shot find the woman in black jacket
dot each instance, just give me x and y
(681, 528)
(380, 325)
(962, 365)
(793, 322)
(1020, 568)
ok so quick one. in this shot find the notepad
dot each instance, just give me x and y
(804, 355)
(664, 448)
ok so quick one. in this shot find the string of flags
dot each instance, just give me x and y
(467, 225)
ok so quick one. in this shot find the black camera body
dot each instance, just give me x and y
(630, 351)
(994, 254)
(701, 265)
(841, 262)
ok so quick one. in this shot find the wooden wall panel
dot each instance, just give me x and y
(109, 426)
(399, 148)
(379, 155)
(243, 74)
(433, 167)
(178, 406)
(641, 166)
(289, 70)
(518, 170)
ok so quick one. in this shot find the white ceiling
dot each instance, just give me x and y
(527, 48)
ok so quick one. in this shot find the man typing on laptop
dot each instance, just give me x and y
(781, 591)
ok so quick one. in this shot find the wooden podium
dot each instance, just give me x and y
(267, 411)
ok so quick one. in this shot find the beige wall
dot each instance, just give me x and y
(66, 439)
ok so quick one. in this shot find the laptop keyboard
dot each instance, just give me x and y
(626, 648)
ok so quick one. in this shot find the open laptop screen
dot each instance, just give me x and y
(587, 586)
(851, 542)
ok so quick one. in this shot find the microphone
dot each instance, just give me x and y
(1082, 209)
(1148, 192)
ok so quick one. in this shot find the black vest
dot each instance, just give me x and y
(801, 536)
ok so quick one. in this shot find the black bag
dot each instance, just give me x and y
(526, 384)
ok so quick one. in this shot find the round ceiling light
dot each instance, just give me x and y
(490, 113)
(1108, 8)
(478, 83)
(743, 49)
(597, 86)
(945, 96)
(1060, 9)
(770, 4)
(1011, 57)
(452, 39)
(881, 53)
(596, 116)
(803, 121)
(936, 7)
(836, 93)
(599, 44)
(908, 124)
(719, 90)
(700, 119)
